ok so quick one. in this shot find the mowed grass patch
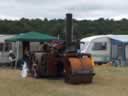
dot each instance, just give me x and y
(108, 81)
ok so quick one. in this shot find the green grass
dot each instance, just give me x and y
(108, 81)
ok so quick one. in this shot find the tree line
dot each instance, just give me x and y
(57, 26)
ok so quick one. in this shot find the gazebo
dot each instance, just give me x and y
(31, 36)
(25, 38)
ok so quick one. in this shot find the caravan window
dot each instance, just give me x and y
(1, 46)
(5, 46)
(100, 46)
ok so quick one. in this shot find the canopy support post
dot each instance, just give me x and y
(17, 53)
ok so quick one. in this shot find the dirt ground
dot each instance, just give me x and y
(108, 81)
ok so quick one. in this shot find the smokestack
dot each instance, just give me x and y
(68, 34)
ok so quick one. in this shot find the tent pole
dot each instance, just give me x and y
(17, 53)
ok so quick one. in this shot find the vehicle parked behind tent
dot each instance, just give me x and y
(107, 48)
(5, 47)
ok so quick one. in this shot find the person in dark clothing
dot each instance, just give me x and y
(12, 58)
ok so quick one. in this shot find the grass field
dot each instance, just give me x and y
(109, 81)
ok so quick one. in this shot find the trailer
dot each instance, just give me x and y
(106, 48)
(4, 48)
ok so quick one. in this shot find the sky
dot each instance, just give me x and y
(56, 9)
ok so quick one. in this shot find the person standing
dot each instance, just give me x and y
(12, 58)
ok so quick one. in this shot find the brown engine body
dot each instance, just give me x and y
(48, 65)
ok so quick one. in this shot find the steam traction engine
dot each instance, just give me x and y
(78, 67)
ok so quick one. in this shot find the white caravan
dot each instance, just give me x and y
(4, 48)
(105, 48)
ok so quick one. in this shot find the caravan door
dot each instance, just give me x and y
(118, 54)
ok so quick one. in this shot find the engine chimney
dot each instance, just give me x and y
(68, 33)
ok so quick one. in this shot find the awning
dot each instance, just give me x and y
(31, 36)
